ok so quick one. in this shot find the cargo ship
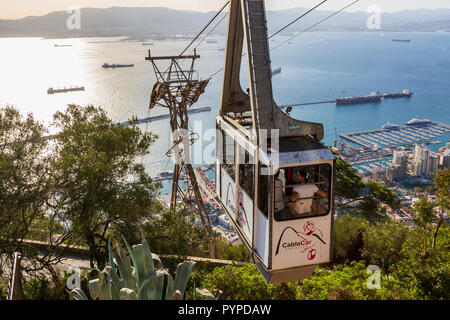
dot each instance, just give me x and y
(404, 94)
(106, 65)
(401, 40)
(276, 71)
(373, 97)
(64, 90)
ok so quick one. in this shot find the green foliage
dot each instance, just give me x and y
(246, 283)
(351, 189)
(348, 184)
(424, 212)
(349, 282)
(383, 243)
(347, 241)
(175, 234)
(441, 184)
(234, 253)
(3, 289)
(94, 163)
(43, 289)
(425, 271)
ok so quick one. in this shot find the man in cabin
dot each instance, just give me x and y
(303, 194)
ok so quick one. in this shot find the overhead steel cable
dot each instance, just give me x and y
(206, 27)
(209, 33)
(314, 25)
(303, 15)
(294, 21)
(284, 28)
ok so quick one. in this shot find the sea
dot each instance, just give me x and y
(315, 66)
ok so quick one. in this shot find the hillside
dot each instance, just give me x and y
(145, 22)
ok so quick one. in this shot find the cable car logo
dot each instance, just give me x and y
(242, 214)
(308, 240)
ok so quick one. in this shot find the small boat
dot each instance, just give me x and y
(276, 71)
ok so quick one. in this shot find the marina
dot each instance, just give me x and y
(390, 135)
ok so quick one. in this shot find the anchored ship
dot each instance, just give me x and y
(276, 71)
(147, 43)
(373, 97)
(63, 90)
(106, 65)
(404, 94)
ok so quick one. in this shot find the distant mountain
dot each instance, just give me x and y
(147, 22)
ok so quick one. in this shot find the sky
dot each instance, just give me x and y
(16, 9)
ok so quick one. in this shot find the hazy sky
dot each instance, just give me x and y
(15, 9)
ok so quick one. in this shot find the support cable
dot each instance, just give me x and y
(303, 15)
(206, 27)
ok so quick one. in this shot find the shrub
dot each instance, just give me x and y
(349, 282)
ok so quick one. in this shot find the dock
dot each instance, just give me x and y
(397, 136)
(165, 116)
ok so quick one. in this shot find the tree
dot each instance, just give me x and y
(350, 189)
(383, 243)
(97, 184)
(176, 234)
(24, 190)
(441, 184)
(424, 212)
(348, 238)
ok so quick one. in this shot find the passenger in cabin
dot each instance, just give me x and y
(279, 198)
(303, 194)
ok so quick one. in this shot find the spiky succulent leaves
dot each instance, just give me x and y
(125, 269)
(77, 294)
(115, 283)
(128, 294)
(99, 288)
(144, 267)
(169, 287)
(182, 275)
(153, 287)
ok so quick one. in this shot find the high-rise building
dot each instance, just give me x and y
(400, 159)
(395, 172)
(432, 164)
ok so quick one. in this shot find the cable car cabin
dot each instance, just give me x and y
(274, 178)
(282, 206)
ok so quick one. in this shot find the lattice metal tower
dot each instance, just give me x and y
(178, 89)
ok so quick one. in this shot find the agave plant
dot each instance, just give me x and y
(145, 280)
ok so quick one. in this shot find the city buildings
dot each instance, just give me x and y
(422, 162)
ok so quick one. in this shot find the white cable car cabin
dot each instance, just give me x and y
(278, 196)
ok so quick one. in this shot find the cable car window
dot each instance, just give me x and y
(302, 192)
(264, 191)
(246, 172)
(229, 156)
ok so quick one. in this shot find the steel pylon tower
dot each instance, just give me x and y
(178, 89)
